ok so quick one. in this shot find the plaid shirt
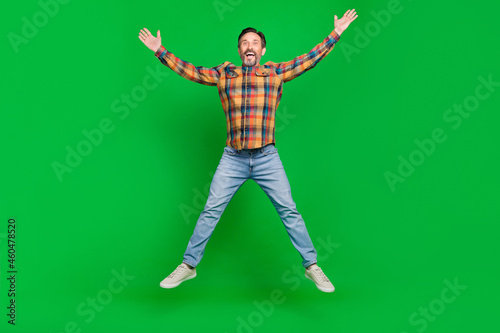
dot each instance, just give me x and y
(249, 95)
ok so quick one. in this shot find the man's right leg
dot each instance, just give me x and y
(228, 178)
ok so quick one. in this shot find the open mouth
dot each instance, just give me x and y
(250, 55)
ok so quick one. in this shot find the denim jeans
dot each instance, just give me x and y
(264, 166)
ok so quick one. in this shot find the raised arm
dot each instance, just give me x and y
(199, 74)
(289, 70)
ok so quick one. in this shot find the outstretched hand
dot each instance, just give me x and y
(343, 23)
(152, 42)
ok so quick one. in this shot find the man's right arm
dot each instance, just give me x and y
(203, 75)
(199, 74)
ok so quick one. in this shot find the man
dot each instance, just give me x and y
(250, 95)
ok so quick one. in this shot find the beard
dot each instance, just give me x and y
(250, 62)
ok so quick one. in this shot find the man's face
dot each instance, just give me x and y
(250, 49)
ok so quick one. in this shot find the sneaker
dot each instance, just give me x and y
(316, 275)
(182, 273)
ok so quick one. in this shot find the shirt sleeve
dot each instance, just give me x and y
(199, 74)
(289, 70)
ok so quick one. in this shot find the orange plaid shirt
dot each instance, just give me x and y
(249, 95)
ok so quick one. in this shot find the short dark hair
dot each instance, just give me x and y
(249, 29)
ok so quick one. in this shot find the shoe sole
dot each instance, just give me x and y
(170, 286)
(323, 289)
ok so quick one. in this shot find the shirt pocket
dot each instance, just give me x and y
(233, 73)
(263, 72)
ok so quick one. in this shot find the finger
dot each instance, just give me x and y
(158, 34)
(147, 33)
(143, 33)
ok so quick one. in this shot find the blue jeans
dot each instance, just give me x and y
(264, 166)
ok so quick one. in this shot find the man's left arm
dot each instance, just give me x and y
(289, 70)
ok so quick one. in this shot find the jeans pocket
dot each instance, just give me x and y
(229, 150)
(271, 150)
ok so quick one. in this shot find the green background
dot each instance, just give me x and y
(392, 250)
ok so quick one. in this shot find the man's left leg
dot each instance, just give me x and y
(270, 174)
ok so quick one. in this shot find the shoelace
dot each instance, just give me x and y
(319, 274)
(177, 271)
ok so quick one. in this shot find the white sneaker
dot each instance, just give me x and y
(180, 274)
(316, 275)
